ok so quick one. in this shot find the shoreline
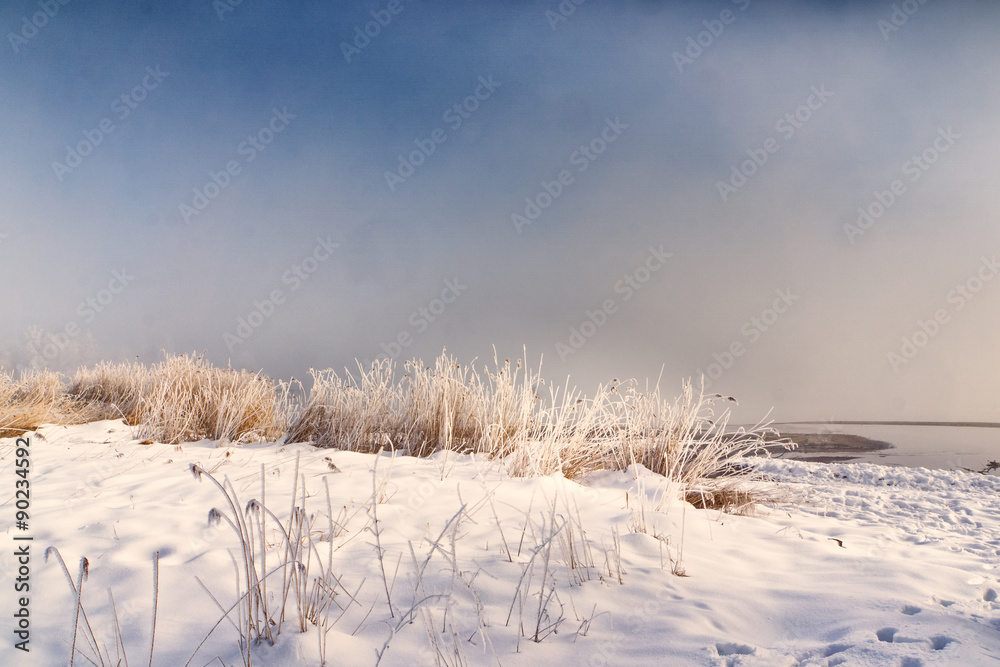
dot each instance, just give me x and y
(827, 447)
(908, 446)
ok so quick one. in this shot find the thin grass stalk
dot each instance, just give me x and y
(120, 642)
(225, 615)
(156, 593)
(76, 615)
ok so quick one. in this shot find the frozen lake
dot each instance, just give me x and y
(944, 446)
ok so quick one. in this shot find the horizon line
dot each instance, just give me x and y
(894, 423)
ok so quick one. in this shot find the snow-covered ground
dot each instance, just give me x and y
(861, 565)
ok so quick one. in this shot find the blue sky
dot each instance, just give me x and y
(833, 99)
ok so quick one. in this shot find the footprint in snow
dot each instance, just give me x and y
(940, 642)
(886, 634)
(989, 595)
(733, 648)
(834, 649)
(910, 610)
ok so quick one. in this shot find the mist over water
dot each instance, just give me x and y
(795, 199)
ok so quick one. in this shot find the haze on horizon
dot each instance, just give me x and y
(641, 189)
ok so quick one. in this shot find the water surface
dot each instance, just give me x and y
(943, 446)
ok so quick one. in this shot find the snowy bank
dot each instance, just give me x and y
(860, 565)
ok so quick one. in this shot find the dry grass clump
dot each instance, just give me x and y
(685, 440)
(185, 398)
(508, 412)
(444, 407)
(114, 388)
(37, 398)
(729, 498)
(454, 408)
(358, 415)
(23, 408)
(182, 398)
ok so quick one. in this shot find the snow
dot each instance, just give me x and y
(854, 564)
